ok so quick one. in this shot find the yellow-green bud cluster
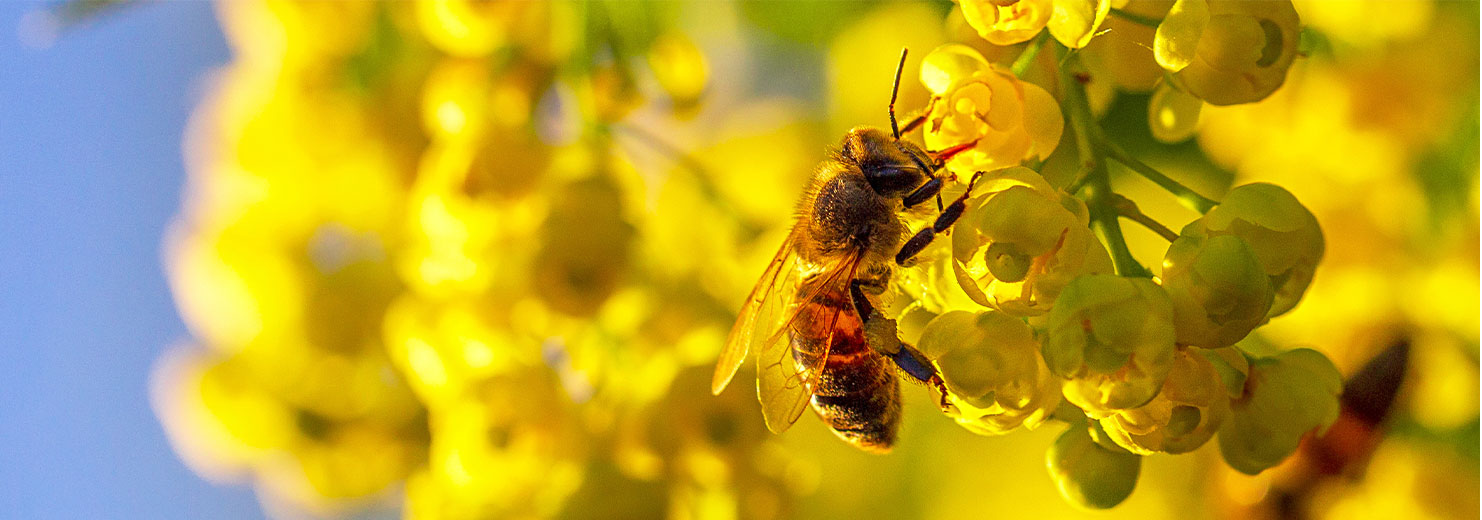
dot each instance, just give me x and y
(1187, 412)
(1283, 235)
(1284, 397)
(991, 365)
(1112, 339)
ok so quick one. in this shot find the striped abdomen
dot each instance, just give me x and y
(856, 393)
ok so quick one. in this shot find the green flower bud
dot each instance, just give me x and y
(1186, 413)
(1284, 236)
(1285, 397)
(990, 363)
(1021, 241)
(1173, 115)
(1112, 339)
(1088, 474)
(1219, 291)
(1232, 367)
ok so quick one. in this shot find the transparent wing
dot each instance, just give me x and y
(761, 313)
(782, 384)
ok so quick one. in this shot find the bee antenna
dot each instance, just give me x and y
(895, 129)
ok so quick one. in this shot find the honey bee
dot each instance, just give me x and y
(817, 290)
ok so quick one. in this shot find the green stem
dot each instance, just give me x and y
(1026, 57)
(1186, 196)
(1082, 176)
(1099, 195)
(1130, 211)
(1137, 18)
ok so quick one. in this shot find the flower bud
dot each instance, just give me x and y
(1112, 339)
(1005, 120)
(1088, 474)
(681, 70)
(1285, 397)
(1020, 242)
(1228, 52)
(1284, 236)
(1173, 115)
(1219, 291)
(991, 365)
(1186, 413)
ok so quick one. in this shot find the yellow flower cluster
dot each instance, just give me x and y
(406, 258)
(1144, 364)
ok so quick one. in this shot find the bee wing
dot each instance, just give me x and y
(773, 293)
(782, 385)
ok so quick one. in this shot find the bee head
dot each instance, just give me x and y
(892, 167)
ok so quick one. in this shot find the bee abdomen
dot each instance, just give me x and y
(859, 398)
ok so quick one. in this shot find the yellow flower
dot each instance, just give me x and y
(1186, 413)
(1007, 22)
(1228, 52)
(472, 29)
(680, 67)
(511, 447)
(1090, 473)
(1284, 236)
(1112, 339)
(1021, 241)
(584, 252)
(1285, 397)
(1004, 119)
(994, 374)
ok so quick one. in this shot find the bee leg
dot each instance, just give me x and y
(882, 336)
(915, 364)
(941, 386)
(944, 221)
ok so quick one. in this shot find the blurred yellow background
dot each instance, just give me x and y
(476, 259)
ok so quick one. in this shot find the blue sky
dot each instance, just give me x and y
(90, 175)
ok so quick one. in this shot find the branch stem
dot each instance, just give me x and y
(1099, 195)
(1137, 18)
(1129, 210)
(1026, 57)
(1186, 196)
